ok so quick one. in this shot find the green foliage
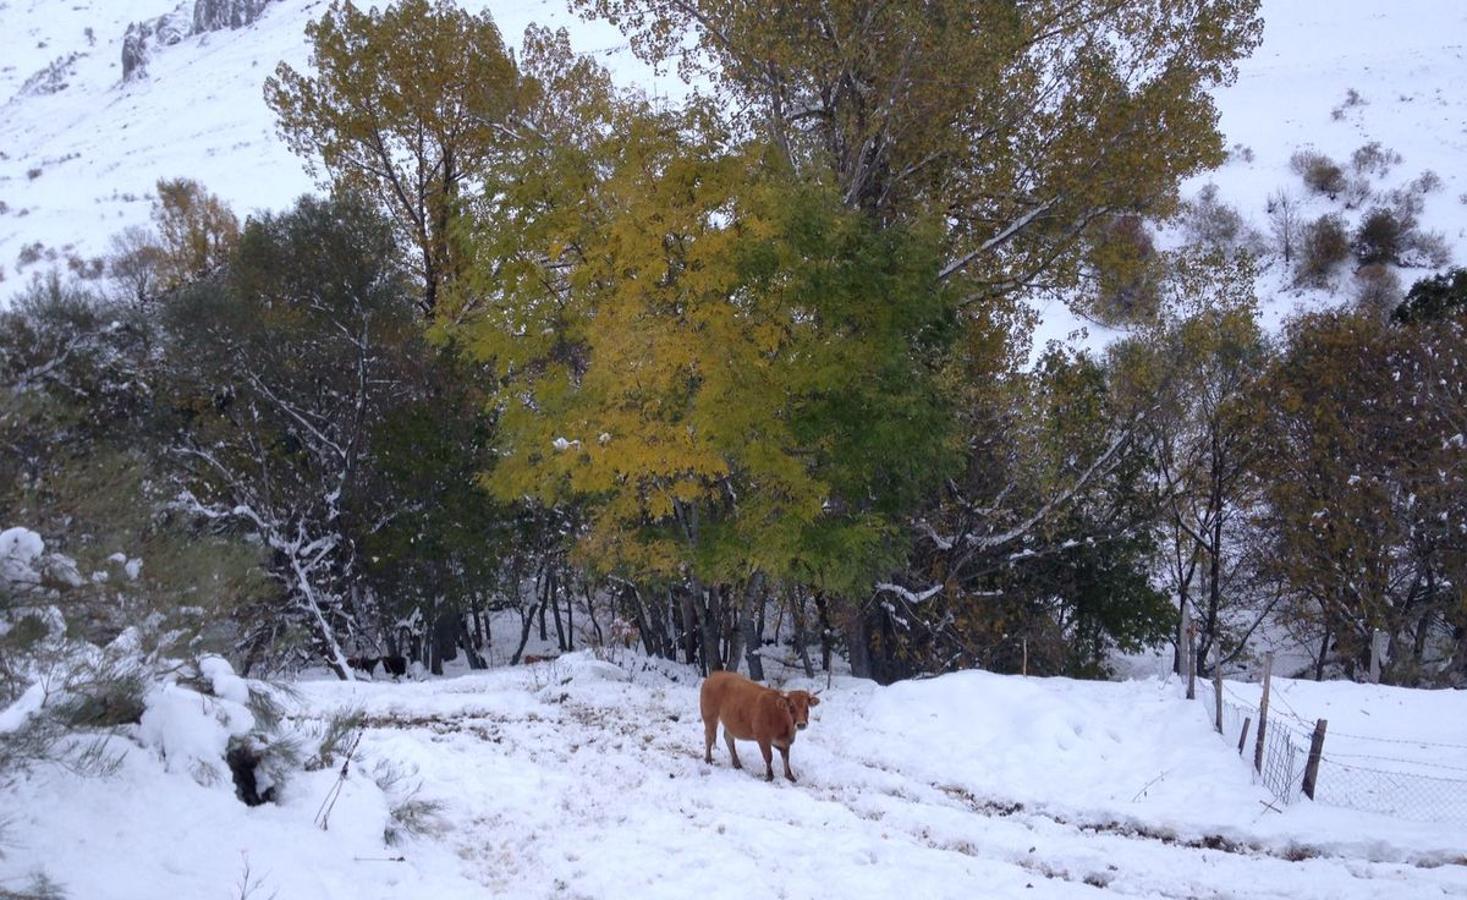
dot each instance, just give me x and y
(286, 368)
(695, 378)
(1436, 298)
(334, 737)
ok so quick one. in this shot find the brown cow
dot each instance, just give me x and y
(753, 712)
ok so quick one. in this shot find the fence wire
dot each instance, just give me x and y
(1342, 779)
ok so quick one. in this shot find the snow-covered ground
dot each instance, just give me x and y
(584, 778)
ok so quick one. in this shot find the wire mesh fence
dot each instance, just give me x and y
(1380, 778)
(1283, 755)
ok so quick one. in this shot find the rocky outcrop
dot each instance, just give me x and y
(162, 31)
(217, 15)
(207, 15)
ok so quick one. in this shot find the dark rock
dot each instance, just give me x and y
(170, 28)
(217, 15)
(165, 30)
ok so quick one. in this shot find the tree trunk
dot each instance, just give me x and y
(476, 661)
(591, 611)
(525, 627)
(334, 657)
(570, 618)
(797, 618)
(748, 624)
(858, 644)
(707, 629)
(447, 626)
(480, 630)
(691, 631)
(1323, 654)
(554, 601)
(651, 640)
(827, 630)
(529, 621)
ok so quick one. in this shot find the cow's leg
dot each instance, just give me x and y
(710, 733)
(768, 751)
(785, 753)
(732, 753)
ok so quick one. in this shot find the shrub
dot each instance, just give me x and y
(1374, 159)
(1377, 290)
(1326, 244)
(408, 813)
(1320, 173)
(33, 174)
(1427, 182)
(85, 269)
(336, 736)
(29, 254)
(1406, 203)
(1211, 222)
(1381, 237)
(1356, 192)
(1427, 250)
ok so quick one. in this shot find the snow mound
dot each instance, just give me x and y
(191, 731)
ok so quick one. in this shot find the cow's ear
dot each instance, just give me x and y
(814, 700)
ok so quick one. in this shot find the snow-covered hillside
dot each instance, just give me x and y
(77, 164)
(1335, 76)
(584, 778)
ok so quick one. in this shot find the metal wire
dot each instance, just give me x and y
(1409, 795)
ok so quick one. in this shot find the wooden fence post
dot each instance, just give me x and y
(1243, 738)
(1316, 749)
(1263, 712)
(1217, 681)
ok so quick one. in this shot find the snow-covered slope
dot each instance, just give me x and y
(582, 778)
(1405, 62)
(78, 164)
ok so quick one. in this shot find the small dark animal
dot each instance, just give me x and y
(395, 665)
(753, 712)
(366, 664)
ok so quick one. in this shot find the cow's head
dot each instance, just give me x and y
(799, 703)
